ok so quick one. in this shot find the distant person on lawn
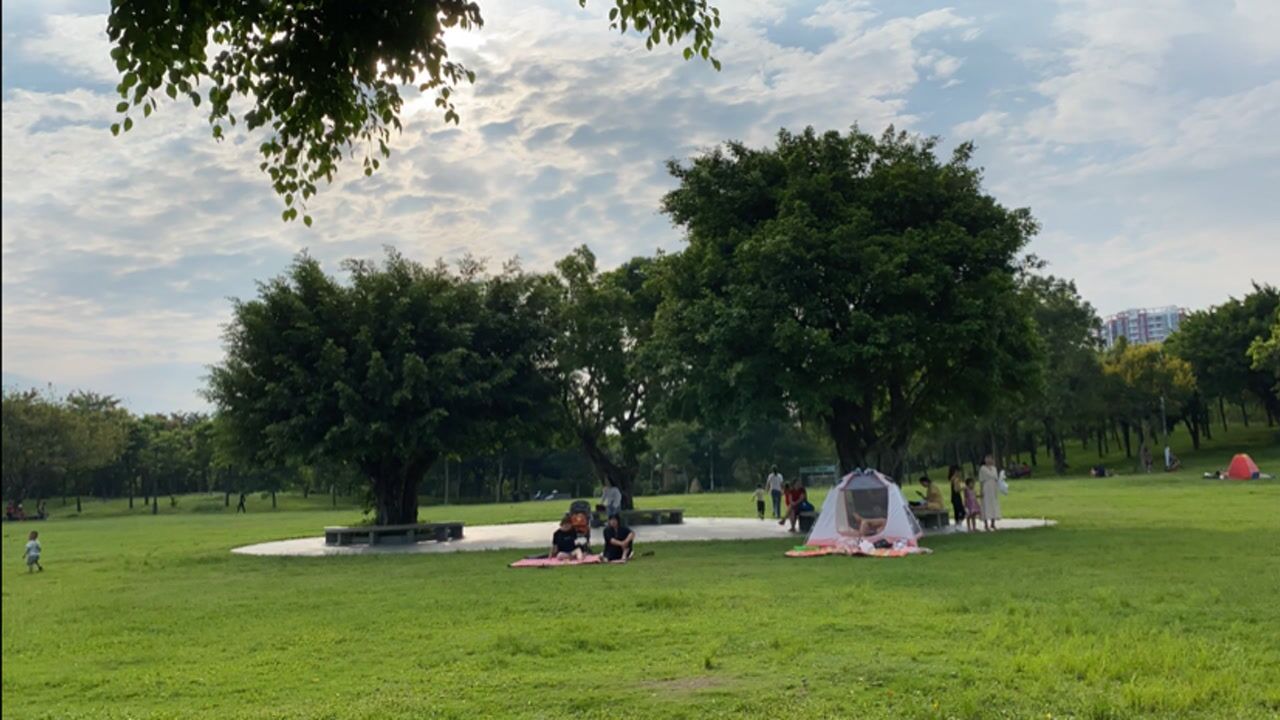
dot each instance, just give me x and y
(1145, 454)
(32, 552)
(758, 496)
(619, 540)
(989, 480)
(774, 485)
(956, 478)
(240, 506)
(797, 502)
(611, 498)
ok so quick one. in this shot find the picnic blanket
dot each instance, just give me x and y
(851, 550)
(545, 562)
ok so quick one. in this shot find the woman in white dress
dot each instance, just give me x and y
(989, 480)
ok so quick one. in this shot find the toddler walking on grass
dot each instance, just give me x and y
(759, 498)
(32, 553)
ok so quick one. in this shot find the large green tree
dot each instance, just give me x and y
(325, 75)
(386, 372)
(603, 361)
(1148, 376)
(101, 435)
(1217, 344)
(855, 279)
(1068, 394)
(1264, 352)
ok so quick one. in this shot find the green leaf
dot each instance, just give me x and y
(688, 53)
(128, 124)
(115, 128)
(306, 220)
(146, 110)
(122, 107)
(715, 64)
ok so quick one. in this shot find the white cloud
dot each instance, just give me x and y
(76, 44)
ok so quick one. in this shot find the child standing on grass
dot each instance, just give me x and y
(759, 498)
(32, 553)
(971, 507)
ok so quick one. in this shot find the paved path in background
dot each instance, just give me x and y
(537, 535)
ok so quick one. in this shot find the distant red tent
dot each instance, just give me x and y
(1242, 467)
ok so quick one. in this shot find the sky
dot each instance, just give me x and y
(1142, 135)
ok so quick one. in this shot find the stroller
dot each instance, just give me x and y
(580, 516)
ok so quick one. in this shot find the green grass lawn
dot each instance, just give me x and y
(1155, 596)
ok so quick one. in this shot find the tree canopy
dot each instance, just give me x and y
(388, 372)
(1217, 343)
(857, 280)
(603, 360)
(325, 75)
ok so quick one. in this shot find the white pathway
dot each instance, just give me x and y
(537, 535)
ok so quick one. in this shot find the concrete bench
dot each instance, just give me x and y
(935, 519)
(379, 534)
(668, 516)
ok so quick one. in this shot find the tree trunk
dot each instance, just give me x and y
(273, 499)
(1193, 427)
(333, 494)
(1128, 446)
(226, 498)
(1244, 415)
(497, 486)
(78, 510)
(446, 481)
(1057, 447)
(395, 492)
(621, 476)
(306, 491)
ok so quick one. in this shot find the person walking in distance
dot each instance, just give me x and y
(240, 505)
(774, 485)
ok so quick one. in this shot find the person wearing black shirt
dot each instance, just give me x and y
(566, 544)
(618, 540)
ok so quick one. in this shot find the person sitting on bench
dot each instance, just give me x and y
(932, 495)
(567, 543)
(619, 540)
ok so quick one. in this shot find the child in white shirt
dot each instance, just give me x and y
(32, 553)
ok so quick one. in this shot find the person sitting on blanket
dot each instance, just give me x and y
(566, 543)
(867, 527)
(619, 540)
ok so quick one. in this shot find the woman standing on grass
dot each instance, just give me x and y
(989, 479)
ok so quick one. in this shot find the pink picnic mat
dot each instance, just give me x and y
(544, 562)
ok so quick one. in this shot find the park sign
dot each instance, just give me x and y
(829, 472)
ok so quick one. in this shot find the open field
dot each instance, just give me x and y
(1156, 596)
